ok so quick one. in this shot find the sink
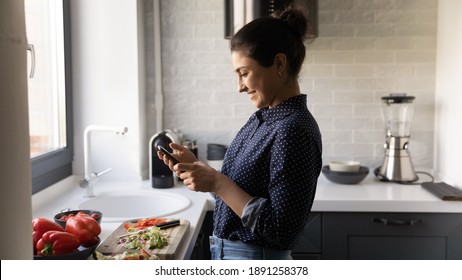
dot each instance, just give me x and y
(123, 206)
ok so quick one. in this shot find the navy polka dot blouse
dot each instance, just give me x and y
(276, 158)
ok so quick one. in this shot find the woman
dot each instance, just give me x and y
(267, 183)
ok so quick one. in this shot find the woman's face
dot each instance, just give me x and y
(261, 84)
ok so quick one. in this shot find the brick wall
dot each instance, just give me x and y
(365, 49)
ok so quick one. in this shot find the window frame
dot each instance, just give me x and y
(54, 166)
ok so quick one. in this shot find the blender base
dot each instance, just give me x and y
(397, 169)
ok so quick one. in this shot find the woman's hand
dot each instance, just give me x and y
(181, 153)
(198, 176)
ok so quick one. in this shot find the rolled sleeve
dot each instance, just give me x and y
(252, 211)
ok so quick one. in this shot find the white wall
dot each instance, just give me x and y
(448, 100)
(365, 50)
(108, 84)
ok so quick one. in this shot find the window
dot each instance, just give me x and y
(49, 91)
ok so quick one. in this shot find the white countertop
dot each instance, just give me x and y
(370, 195)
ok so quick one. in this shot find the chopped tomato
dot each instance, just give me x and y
(145, 223)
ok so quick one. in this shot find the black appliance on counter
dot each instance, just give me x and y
(160, 175)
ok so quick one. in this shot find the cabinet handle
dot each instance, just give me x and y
(385, 222)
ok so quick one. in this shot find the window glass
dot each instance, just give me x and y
(46, 86)
(49, 90)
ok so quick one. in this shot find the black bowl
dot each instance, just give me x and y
(347, 178)
(60, 218)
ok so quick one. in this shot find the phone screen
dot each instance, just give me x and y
(168, 154)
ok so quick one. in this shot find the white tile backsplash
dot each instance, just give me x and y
(365, 49)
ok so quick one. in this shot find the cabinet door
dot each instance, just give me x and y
(309, 245)
(201, 249)
(392, 236)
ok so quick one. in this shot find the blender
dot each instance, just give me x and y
(397, 111)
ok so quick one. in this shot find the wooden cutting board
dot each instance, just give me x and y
(175, 238)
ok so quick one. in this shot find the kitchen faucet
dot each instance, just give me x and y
(90, 177)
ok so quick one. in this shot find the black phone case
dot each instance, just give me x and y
(167, 153)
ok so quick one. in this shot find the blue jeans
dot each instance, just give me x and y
(223, 249)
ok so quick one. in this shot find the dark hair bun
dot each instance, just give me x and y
(295, 19)
(283, 32)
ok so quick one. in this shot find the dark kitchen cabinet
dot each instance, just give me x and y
(369, 236)
(201, 249)
(393, 236)
(309, 246)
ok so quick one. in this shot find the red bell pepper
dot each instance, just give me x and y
(40, 226)
(55, 243)
(85, 228)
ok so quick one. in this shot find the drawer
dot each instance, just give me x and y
(392, 236)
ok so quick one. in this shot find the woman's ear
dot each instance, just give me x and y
(280, 62)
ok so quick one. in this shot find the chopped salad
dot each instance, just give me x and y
(148, 238)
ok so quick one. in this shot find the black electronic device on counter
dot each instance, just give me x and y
(160, 175)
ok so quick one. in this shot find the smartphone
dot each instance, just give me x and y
(168, 154)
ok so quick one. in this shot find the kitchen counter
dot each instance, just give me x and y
(65, 194)
(370, 195)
